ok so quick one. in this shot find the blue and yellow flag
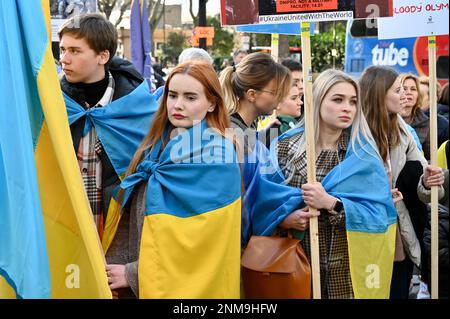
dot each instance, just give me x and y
(190, 244)
(361, 183)
(120, 125)
(267, 199)
(49, 246)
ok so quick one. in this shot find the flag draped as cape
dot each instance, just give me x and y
(190, 244)
(361, 183)
(120, 125)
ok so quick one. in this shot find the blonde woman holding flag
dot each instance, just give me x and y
(357, 215)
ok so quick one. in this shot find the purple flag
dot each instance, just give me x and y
(141, 54)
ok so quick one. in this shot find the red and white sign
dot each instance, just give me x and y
(302, 5)
(414, 19)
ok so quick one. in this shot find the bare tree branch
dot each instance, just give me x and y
(194, 17)
(153, 11)
(156, 15)
(108, 6)
(124, 7)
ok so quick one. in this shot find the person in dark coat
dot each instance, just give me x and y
(443, 267)
(443, 102)
(93, 77)
(442, 121)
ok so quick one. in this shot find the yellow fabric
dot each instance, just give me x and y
(72, 239)
(262, 123)
(6, 291)
(46, 10)
(371, 262)
(195, 257)
(111, 224)
(442, 156)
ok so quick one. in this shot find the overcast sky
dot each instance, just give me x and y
(212, 7)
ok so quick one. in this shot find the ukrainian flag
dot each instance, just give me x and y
(49, 246)
(361, 183)
(190, 243)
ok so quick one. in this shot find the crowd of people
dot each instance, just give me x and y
(186, 210)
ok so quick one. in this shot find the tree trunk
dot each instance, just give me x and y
(283, 49)
(202, 21)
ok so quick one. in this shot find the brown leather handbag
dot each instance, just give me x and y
(276, 268)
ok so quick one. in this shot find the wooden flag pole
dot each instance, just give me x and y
(310, 154)
(433, 152)
(274, 46)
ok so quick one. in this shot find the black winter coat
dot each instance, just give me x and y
(126, 79)
(443, 249)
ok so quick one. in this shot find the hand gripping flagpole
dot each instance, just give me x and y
(310, 154)
(433, 152)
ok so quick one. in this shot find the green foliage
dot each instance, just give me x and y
(321, 46)
(176, 42)
(323, 43)
(223, 39)
(263, 40)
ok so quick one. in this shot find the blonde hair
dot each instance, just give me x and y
(425, 80)
(407, 76)
(255, 71)
(360, 132)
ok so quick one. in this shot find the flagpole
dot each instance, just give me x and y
(310, 154)
(275, 46)
(433, 157)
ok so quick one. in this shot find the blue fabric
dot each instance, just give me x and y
(283, 28)
(414, 135)
(267, 201)
(190, 175)
(120, 125)
(158, 93)
(360, 181)
(141, 41)
(23, 250)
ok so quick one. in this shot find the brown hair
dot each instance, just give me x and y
(99, 33)
(255, 71)
(217, 119)
(375, 82)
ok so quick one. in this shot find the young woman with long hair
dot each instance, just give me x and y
(346, 162)
(176, 232)
(383, 99)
